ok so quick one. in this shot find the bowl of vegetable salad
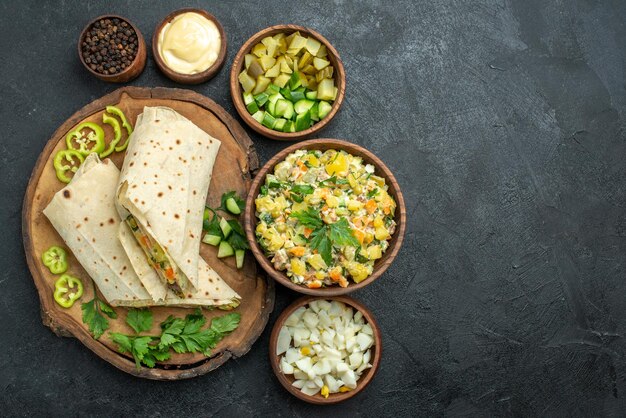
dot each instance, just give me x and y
(325, 217)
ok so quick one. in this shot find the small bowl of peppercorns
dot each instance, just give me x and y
(112, 49)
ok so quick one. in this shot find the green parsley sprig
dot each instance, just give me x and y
(325, 236)
(93, 316)
(183, 335)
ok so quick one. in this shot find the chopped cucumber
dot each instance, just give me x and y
(311, 95)
(258, 116)
(248, 98)
(303, 121)
(296, 96)
(252, 107)
(280, 124)
(303, 106)
(271, 103)
(268, 120)
(206, 215)
(239, 256)
(275, 97)
(261, 98)
(324, 109)
(226, 229)
(271, 108)
(272, 89)
(284, 108)
(286, 93)
(225, 250)
(232, 206)
(289, 127)
(294, 81)
(212, 239)
(315, 112)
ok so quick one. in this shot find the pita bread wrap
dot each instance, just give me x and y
(162, 193)
(84, 214)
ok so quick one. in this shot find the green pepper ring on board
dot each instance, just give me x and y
(129, 129)
(55, 258)
(96, 136)
(67, 290)
(61, 168)
(117, 130)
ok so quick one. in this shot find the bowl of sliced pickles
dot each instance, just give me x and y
(287, 82)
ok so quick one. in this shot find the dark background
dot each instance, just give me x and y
(504, 122)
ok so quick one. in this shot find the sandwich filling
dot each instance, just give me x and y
(167, 270)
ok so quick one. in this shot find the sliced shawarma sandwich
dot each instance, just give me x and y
(85, 216)
(162, 193)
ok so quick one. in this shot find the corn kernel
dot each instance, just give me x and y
(325, 391)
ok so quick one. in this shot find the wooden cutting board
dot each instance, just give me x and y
(236, 160)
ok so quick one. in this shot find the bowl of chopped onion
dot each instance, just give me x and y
(325, 350)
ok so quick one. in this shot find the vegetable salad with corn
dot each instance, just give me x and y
(324, 217)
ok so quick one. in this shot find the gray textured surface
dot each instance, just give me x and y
(504, 123)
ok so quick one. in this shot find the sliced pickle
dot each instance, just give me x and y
(282, 80)
(267, 62)
(259, 50)
(320, 63)
(313, 46)
(322, 52)
(248, 59)
(305, 59)
(274, 71)
(255, 68)
(247, 82)
(325, 89)
(261, 84)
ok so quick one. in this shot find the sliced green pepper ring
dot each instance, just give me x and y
(117, 130)
(67, 160)
(67, 290)
(77, 138)
(55, 258)
(129, 129)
